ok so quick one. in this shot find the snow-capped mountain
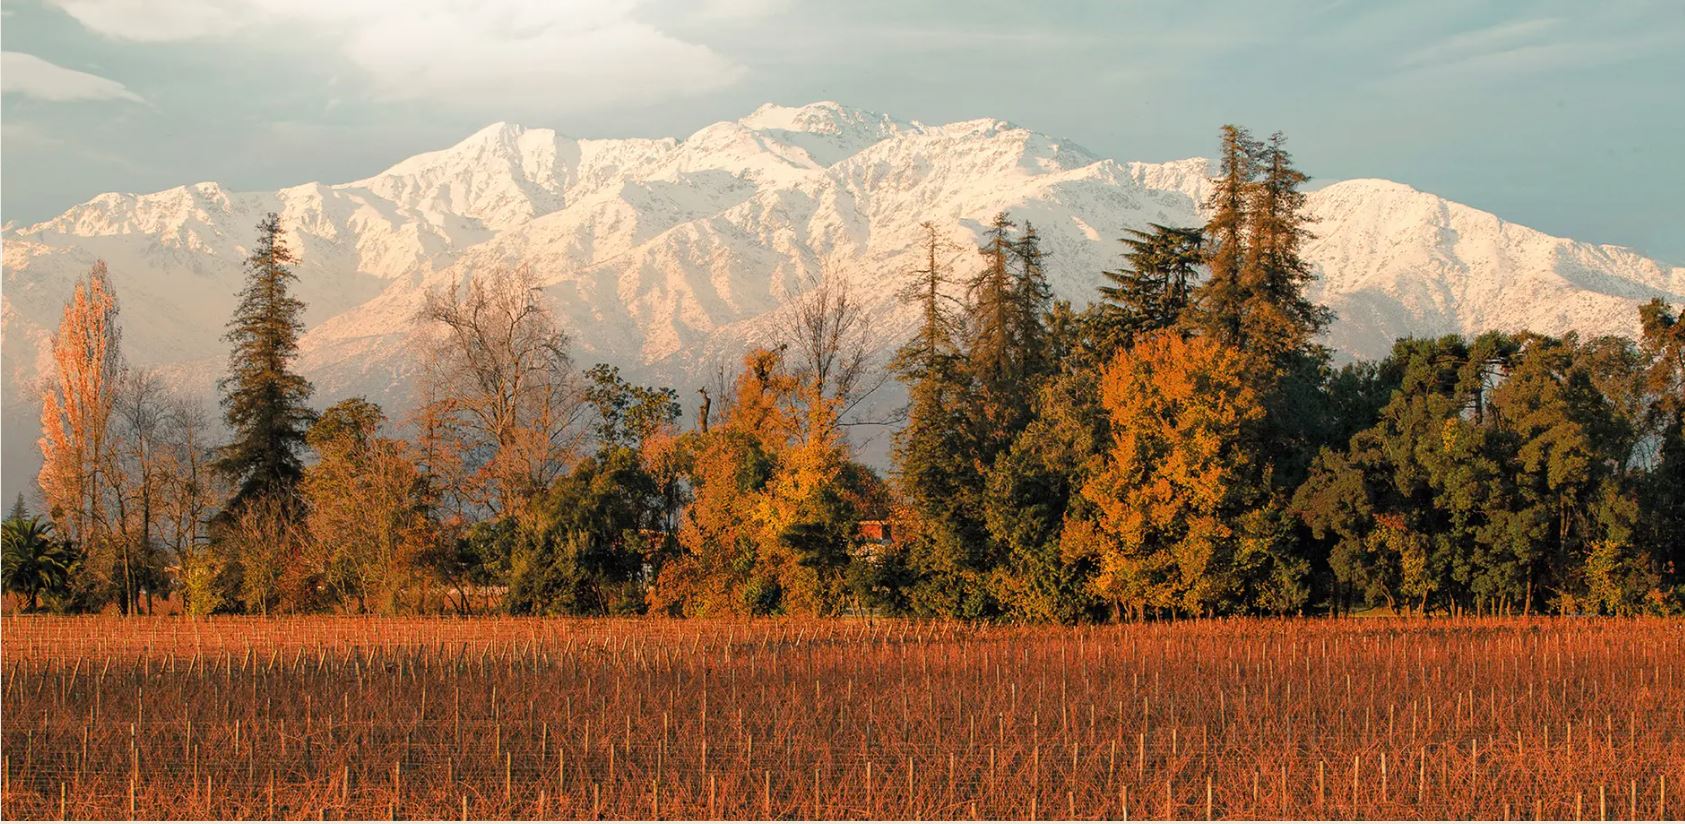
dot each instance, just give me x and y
(668, 257)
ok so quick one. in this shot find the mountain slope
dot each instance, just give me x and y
(668, 256)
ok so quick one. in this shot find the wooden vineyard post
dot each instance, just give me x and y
(1356, 761)
(870, 811)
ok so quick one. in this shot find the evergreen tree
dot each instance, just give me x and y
(1218, 306)
(991, 342)
(1032, 489)
(263, 398)
(1152, 291)
(929, 288)
(1277, 319)
(1032, 296)
(937, 470)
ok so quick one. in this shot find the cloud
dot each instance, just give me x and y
(1521, 48)
(1481, 43)
(31, 76)
(569, 54)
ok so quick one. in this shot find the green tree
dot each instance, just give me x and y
(1218, 305)
(1277, 320)
(936, 470)
(1154, 288)
(627, 414)
(263, 398)
(368, 521)
(595, 528)
(36, 562)
(1662, 529)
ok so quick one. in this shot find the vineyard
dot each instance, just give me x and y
(314, 717)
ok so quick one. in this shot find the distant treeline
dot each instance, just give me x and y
(1181, 447)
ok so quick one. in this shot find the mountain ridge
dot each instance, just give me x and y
(667, 256)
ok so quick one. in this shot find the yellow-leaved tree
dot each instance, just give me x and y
(1174, 484)
(78, 398)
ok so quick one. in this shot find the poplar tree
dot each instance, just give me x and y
(263, 399)
(76, 409)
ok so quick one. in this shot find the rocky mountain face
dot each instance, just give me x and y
(668, 257)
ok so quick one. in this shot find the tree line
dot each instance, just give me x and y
(1181, 446)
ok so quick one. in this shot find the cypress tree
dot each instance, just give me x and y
(263, 399)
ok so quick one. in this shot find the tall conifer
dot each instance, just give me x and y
(263, 398)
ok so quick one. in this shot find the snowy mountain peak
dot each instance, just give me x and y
(822, 117)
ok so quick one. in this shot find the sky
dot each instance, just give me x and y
(1564, 116)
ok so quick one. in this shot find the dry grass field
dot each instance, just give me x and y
(516, 718)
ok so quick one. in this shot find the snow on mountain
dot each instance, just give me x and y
(668, 256)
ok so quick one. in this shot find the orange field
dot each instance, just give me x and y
(106, 717)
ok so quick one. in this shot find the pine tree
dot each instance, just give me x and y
(263, 398)
(1153, 290)
(1278, 319)
(1032, 296)
(928, 288)
(1008, 346)
(990, 345)
(1218, 305)
(934, 453)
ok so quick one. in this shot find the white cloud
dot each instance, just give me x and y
(31, 76)
(1481, 43)
(570, 54)
(159, 21)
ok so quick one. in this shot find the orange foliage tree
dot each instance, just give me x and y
(76, 408)
(1173, 488)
